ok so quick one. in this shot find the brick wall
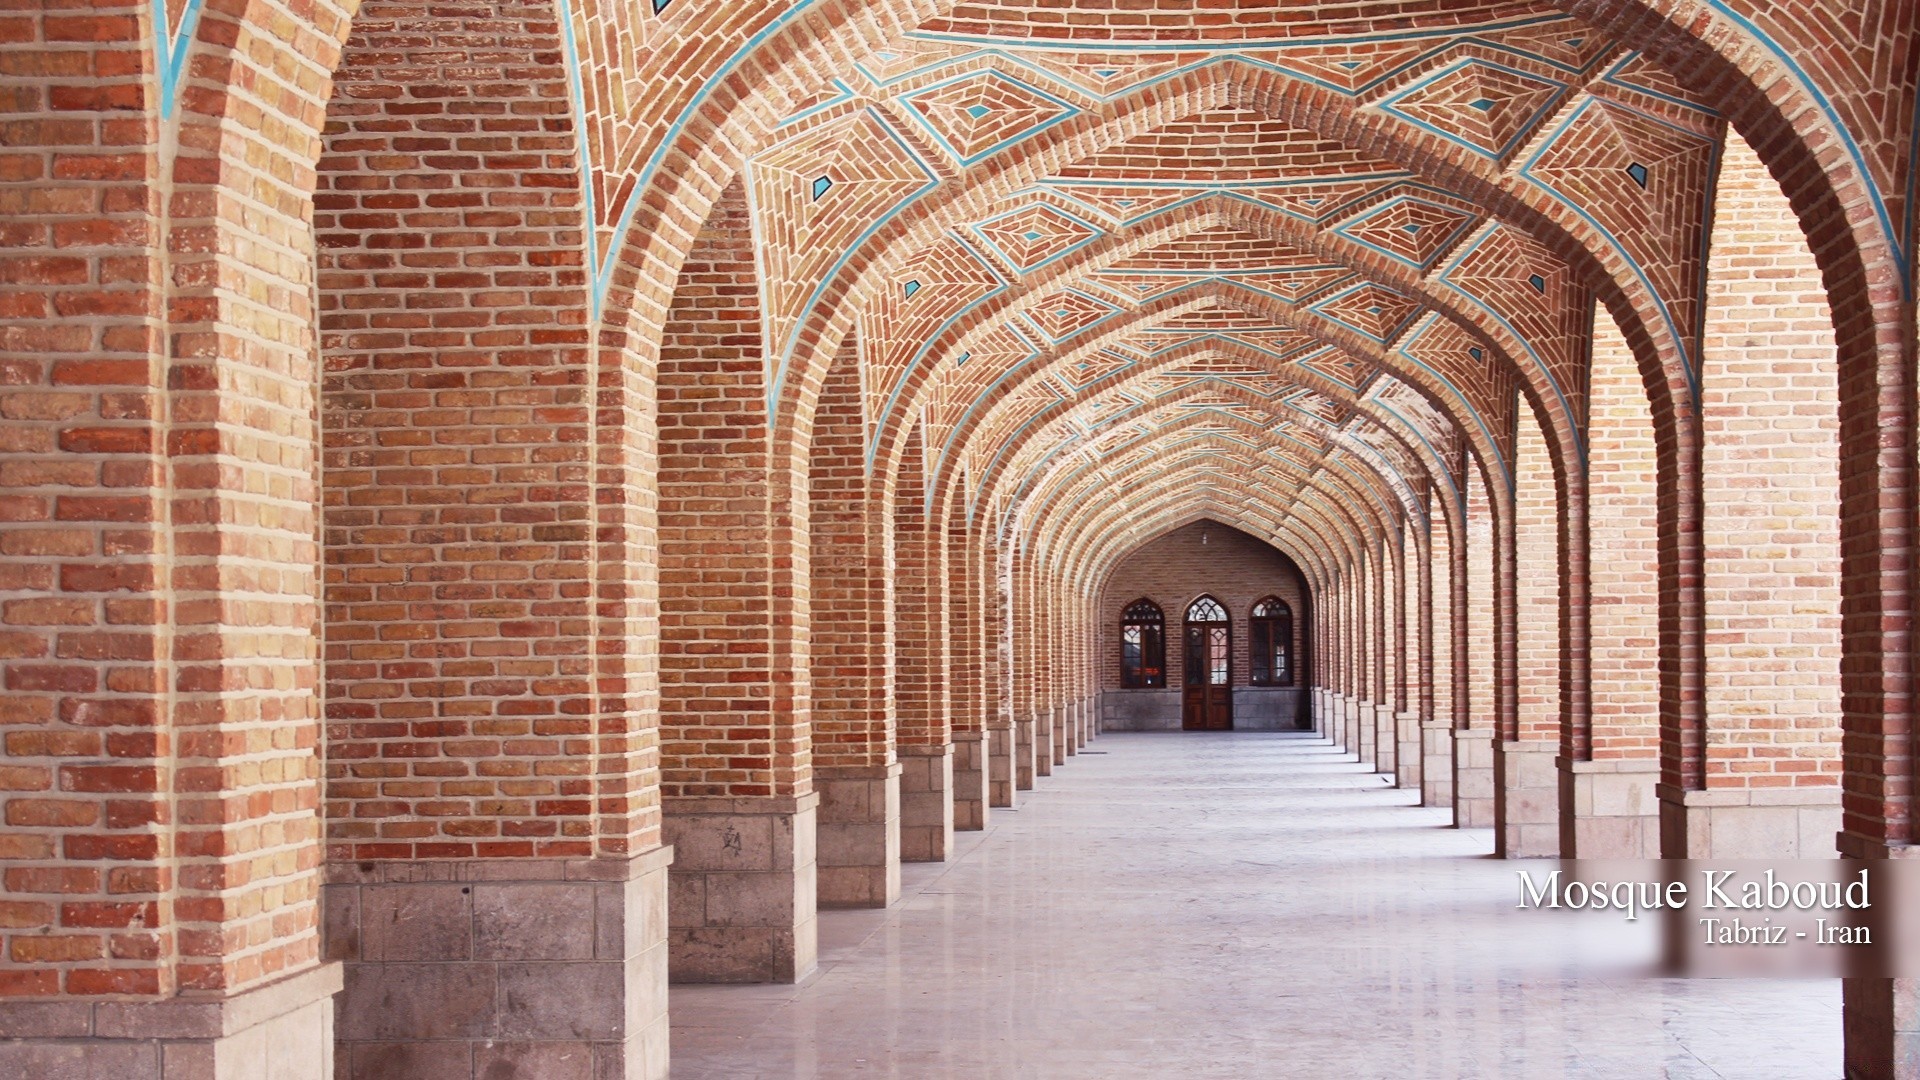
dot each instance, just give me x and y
(1771, 465)
(457, 431)
(852, 639)
(1175, 569)
(733, 687)
(1623, 538)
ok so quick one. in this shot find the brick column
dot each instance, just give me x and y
(967, 648)
(494, 890)
(852, 652)
(1474, 565)
(1441, 618)
(1608, 805)
(1527, 784)
(735, 739)
(921, 651)
(1003, 735)
(1770, 778)
(158, 570)
(1411, 617)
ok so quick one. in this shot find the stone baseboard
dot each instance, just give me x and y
(459, 969)
(1526, 791)
(1609, 809)
(927, 802)
(741, 899)
(857, 860)
(283, 1030)
(1749, 823)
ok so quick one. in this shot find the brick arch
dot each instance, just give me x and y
(1331, 534)
(1031, 429)
(1504, 346)
(1173, 509)
(1340, 549)
(1806, 150)
(1061, 523)
(1554, 224)
(1370, 503)
(1380, 483)
(1250, 303)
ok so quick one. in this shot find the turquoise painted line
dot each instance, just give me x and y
(170, 52)
(845, 95)
(1398, 328)
(1666, 313)
(602, 278)
(1252, 45)
(577, 91)
(1453, 237)
(1410, 426)
(786, 351)
(893, 400)
(1561, 90)
(1540, 365)
(1069, 111)
(1612, 78)
(1095, 233)
(1493, 444)
(1846, 137)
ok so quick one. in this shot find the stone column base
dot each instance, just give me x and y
(1043, 742)
(1386, 740)
(1436, 763)
(1406, 753)
(1364, 713)
(1609, 808)
(281, 1031)
(1749, 823)
(857, 861)
(1336, 714)
(1473, 781)
(1057, 723)
(484, 967)
(970, 796)
(1320, 708)
(741, 899)
(1002, 769)
(1880, 1017)
(1350, 725)
(1070, 727)
(926, 803)
(1526, 799)
(1025, 764)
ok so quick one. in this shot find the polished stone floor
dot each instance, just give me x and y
(1242, 906)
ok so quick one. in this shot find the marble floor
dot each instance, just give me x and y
(1234, 905)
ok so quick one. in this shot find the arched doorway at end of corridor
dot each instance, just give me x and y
(1204, 628)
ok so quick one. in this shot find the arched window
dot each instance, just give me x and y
(1272, 643)
(1209, 643)
(1143, 646)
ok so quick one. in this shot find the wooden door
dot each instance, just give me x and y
(1207, 699)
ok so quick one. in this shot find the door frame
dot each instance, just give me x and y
(1206, 705)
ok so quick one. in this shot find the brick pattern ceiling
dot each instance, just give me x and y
(1051, 225)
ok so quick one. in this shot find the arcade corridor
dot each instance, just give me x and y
(1228, 906)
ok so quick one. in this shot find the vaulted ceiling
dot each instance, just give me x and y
(1086, 250)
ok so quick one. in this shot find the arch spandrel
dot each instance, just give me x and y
(1295, 455)
(1268, 415)
(1010, 189)
(1410, 368)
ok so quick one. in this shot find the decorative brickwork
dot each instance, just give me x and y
(483, 443)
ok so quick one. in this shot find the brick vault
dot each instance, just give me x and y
(507, 504)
